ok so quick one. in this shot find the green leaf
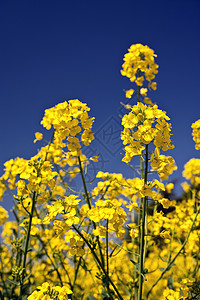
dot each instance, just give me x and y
(161, 269)
(113, 251)
(29, 250)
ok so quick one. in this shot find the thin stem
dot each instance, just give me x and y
(78, 265)
(139, 72)
(89, 205)
(135, 258)
(140, 212)
(84, 183)
(107, 256)
(27, 242)
(142, 237)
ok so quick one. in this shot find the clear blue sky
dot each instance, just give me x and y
(53, 51)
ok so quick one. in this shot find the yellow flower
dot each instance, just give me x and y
(134, 233)
(169, 187)
(186, 187)
(153, 85)
(165, 203)
(165, 165)
(38, 137)
(143, 91)
(94, 158)
(129, 93)
(165, 234)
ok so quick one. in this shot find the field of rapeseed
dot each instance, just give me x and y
(127, 238)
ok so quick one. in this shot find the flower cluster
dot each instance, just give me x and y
(164, 165)
(66, 207)
(196, 133)
(142, 126)
(69, 120)
(192, 171)
(170, 294)
(46, 292)
(139, 61)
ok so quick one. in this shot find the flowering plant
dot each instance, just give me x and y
(127, 238)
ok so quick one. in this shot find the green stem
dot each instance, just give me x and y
(89, 205)
(27, 242)
(139, 73)
(142, 233)
(78, 265)
(107, 256)
(140, 212)
(84, 183)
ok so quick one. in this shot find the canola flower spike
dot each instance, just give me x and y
(140, 61)
(143, 125)
(70, 120)
(196, 134)
(192, 171)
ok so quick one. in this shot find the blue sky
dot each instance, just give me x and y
(52, 51)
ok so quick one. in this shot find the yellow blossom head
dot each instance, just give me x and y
(196, 134)
(139, 64)
(70, 121)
